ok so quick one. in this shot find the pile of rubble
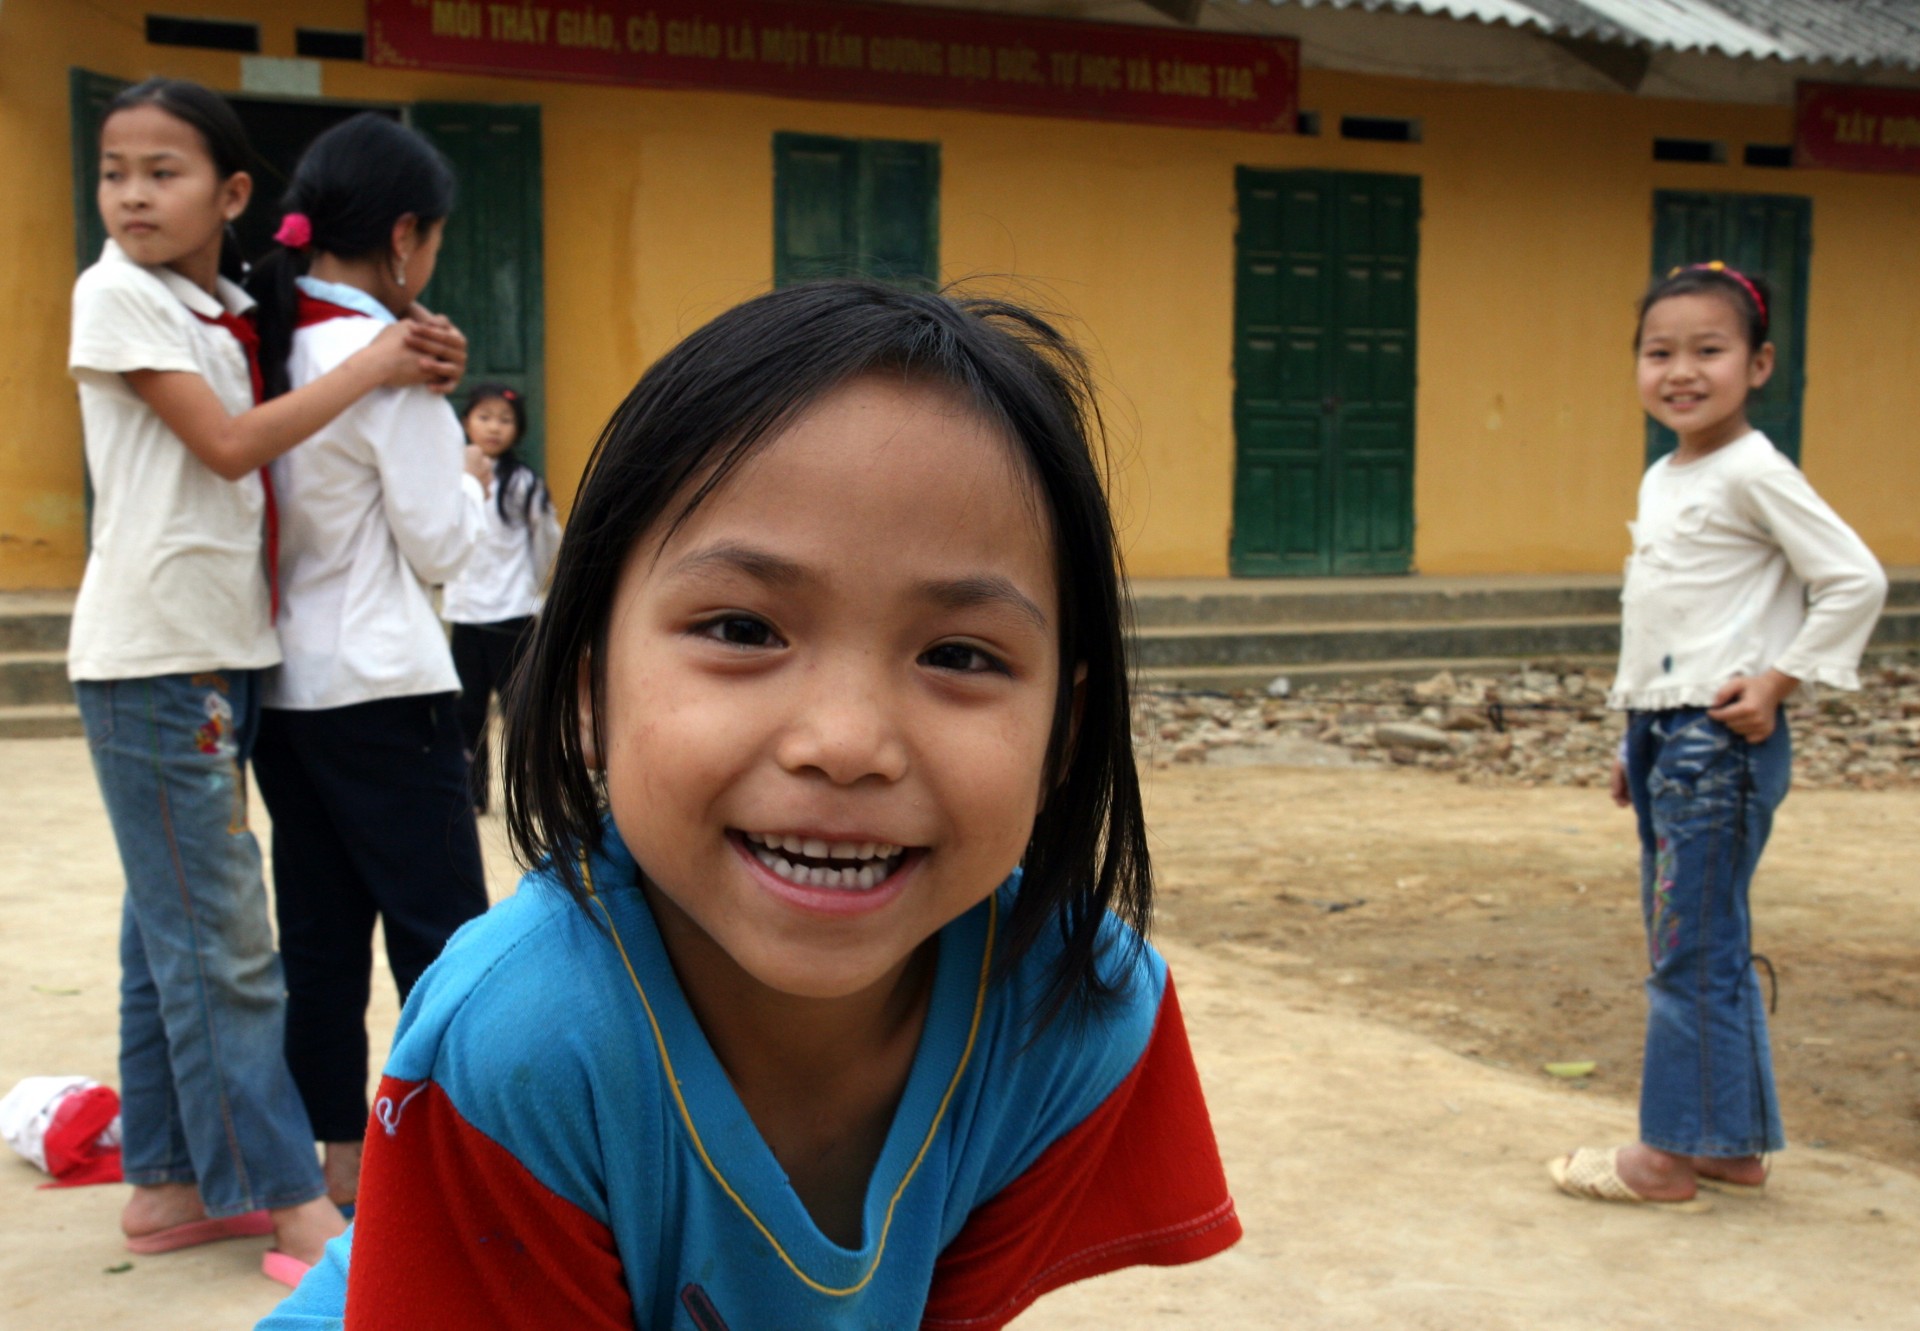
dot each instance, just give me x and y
(1544, 725)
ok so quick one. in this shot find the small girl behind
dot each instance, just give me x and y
(360, 758)
(812, 1013)
(1743, 584)
(172, 632)
(491, 601)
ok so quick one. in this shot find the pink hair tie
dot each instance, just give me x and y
(296, 231)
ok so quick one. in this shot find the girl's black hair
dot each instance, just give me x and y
(1749, 294)
(509, 464)
(214, 119)
(353, 183)
(704, 408)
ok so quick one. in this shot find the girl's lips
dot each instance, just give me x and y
(835, 901)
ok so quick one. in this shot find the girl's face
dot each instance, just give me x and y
(491, 426)
(161, 197)
(828, 695)
(1695, 369)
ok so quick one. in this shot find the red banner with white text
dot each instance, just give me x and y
(899, 54)
(1847, 127)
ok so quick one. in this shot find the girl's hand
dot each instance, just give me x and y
(1749, 705)
(1617, 785)
(435, 335)
(480, 467)
(401, 363)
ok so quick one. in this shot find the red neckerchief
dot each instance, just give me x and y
(314, 311)
(248, 336)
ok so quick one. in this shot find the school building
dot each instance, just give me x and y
(1357, 275)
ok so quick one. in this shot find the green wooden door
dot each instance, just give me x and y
(489, 279)
(855, 208)
(1770, 235)
(1324, 308)
(87, 96)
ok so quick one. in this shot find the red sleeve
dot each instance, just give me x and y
(452, 1230)
(1138, 1183)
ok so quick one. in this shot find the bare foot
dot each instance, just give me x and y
(302, 1231)
(343, 1172)
(1749, 1171)
(1657, 1175)
(157, 1206)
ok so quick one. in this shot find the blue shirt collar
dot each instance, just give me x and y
(351, 298)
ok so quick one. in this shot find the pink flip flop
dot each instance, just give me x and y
(195, 1232)
(289, 1271)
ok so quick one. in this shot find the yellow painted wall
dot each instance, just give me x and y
(1534, 244)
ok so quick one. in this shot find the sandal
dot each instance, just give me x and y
(1593, 1173)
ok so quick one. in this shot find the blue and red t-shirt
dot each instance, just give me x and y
(556, 1144)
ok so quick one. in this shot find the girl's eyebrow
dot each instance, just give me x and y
(109, 153)
(963, 593)
(984, 589)
(760, 565)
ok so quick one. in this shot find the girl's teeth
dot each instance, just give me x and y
(874, 870)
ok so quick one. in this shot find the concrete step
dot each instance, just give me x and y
(1213, 643)
(41, 721)
(1229, 602)
(1281, 645)
(34, 678)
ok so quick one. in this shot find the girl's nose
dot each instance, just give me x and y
(844, 728)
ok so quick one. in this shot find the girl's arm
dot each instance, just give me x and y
(235, 446)
(434, 506)
(1845, 584)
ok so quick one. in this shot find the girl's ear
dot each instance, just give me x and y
(1760, 368)
(589, 733)
(236, 191)
(406, 229)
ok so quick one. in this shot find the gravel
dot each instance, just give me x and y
(1546, 724)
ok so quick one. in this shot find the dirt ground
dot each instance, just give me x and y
(1374, 964)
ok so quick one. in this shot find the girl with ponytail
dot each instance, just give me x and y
(361, 758)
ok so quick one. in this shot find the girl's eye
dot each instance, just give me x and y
(962, 659)
(740, 631)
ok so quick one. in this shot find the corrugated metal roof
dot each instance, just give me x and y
(1866, 32)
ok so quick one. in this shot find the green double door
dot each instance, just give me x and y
(1323, 359)
(489, 277)
(1770, 236)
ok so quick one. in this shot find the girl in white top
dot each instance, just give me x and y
(360, 755)
(171, 630)
(491, 602)
(1742, 584)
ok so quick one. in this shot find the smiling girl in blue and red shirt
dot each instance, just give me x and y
(826, 1005)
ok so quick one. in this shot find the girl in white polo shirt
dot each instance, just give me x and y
(360, 758)
(171, 632)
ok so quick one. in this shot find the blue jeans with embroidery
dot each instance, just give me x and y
(206, 1097)
(1705, 800)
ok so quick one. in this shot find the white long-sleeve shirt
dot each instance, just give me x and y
(508, 569)
(1739, 567)
(374, 509)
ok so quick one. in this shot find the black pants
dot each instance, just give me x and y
(371, 818)
(485, 655)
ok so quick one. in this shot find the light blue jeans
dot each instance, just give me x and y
(1705, 799)
(206, 1097)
